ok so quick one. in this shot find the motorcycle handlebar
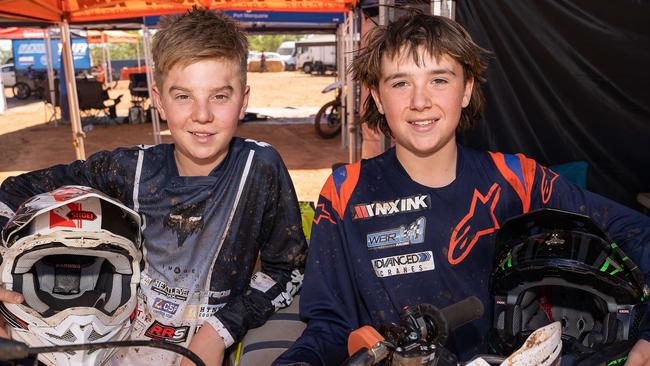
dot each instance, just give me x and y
(11, 350)
(463, 312)
(365, 339)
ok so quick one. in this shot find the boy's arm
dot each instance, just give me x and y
(327, 300)
(283, 251)
(98, 172)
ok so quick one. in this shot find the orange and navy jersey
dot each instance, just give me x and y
(381, 241)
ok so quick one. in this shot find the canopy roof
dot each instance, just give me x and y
(112, 36)
(21, 33)
(77, 11)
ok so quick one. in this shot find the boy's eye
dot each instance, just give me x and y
(399, 84)
(439, 81)
(181, 97)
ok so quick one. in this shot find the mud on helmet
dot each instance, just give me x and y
(552, 265)
(74, 254)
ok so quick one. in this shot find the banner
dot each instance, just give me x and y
(31, 52)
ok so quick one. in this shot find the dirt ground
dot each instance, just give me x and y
(28, 141)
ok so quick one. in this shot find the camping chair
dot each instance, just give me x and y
(93, 98)
(139, 93)
(138, 88)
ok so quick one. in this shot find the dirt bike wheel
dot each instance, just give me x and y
(39, 93)
(328, 120)
(21, 91)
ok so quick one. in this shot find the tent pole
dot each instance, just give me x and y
(73, 101)
(50, 74)
(110, 67)
(104, 64)
(155, 119)
(137, 52)
(385, 17)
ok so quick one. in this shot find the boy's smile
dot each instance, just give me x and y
(202, 103)
(422, 104)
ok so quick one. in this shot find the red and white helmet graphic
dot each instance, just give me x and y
(74, 254)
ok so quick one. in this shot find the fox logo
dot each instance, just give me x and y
(470, 229)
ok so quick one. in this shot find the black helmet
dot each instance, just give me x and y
(552, 265)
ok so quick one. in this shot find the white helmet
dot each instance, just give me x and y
(74, 254)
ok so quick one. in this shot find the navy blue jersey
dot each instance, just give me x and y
(381, 241)
(202, 234)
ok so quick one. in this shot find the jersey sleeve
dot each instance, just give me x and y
(327, 301)
(282, 256)
(100, 171)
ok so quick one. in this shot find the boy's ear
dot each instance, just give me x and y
(157, 99)
(467, 94)
(244, 105)
(375, 96)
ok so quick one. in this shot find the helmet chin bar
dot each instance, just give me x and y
(80, 329)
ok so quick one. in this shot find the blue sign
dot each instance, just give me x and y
(31, 52)
(273, 17)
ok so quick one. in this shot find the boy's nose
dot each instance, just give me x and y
(201, 113)
(420, 99)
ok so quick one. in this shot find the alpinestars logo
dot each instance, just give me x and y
(389, 208)
(403, 235)
(404, 264)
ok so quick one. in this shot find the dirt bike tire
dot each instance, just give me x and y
(323, 129)
(21, 91)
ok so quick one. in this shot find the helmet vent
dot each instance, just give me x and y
(67, 336)
(94, 336)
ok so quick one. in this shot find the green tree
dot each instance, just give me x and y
(117, 51)
(269, 42)
(5, 55)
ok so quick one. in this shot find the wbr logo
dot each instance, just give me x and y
(403, 235)
(404, 264)
(162, 332)
(389, 208)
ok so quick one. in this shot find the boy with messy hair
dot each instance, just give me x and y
(212, 203)
(416, 224)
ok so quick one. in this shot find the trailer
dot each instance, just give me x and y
(316, 53)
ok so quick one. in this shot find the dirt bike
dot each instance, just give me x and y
(419, 340)
(29, 86)
(328, 119)
(11, 350)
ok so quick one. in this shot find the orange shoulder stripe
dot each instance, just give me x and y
(521, 178)
(340, 186)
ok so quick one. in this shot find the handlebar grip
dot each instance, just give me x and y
(463, 312)
(364, 337)
(362, 357)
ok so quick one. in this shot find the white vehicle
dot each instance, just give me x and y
(287, 51)
(8, 75)
(316, 53)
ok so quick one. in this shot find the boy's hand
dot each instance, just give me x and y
(639, 354)
(10, 297)
(208, 345)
